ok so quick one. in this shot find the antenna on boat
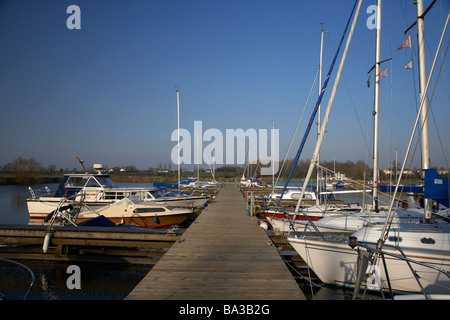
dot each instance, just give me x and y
(82, 165)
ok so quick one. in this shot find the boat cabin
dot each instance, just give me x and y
(74, 183)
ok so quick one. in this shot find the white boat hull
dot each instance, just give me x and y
(336, 264)
(39, 209)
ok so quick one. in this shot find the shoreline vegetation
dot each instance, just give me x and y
(29, 171)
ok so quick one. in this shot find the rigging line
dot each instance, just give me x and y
(352, 102)
(431, 99)
(327, 170)
(280, 172)
(414, 79)
(388, 222)
(298, 124)
(414, 58)
(426, 115)
(319, 100)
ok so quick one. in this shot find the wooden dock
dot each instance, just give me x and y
(94, 244)
(223, 255)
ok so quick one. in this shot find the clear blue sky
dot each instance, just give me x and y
(106, 92)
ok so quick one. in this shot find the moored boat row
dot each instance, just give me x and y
(86, 196)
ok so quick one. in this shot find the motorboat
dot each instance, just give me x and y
(133, 211)
(129, 211)
(99, 190)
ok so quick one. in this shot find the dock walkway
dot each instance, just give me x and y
(223, 255)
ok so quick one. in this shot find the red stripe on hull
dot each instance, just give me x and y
(281, 216)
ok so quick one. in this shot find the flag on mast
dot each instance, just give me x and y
(383, 73)
(409, 65)
(405, 44)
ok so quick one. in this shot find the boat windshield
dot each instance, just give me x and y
(106, 182)
(90, 181)
(76, 182)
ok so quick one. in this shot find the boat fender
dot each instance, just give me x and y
(263, 224)
(156, 220)
(46, 242)
(205, 204)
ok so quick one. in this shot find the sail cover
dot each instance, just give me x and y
(436, 187)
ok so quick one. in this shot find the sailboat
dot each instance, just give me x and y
(406, 257)
(282, 218)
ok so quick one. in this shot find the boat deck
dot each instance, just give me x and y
(224, 254)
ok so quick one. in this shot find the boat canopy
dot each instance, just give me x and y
(72, 183)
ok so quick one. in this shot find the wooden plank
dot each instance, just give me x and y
(111, 243)
(84, 235)
(224, 254)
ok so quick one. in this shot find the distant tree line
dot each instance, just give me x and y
(29, 171)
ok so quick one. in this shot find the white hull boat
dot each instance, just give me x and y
(130, 210)
(99, 190)
(336, 263)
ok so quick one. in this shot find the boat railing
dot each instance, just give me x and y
(371, 247)
(36, 193)
(68, 210)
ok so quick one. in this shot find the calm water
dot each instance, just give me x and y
(98, 282)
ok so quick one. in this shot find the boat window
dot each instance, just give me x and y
(76, 182)
(156, 194)
(92, 183)
(105, 181)
(114, 195)
(295, 196)
(148, 210)
(395, 239)
(428, 240)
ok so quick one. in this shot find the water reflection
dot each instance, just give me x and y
(97, 282)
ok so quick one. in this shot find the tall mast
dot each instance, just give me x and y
(318, 113)
(330, 104)
(273, 157)
(198, 160)
(376, 109)
(423, 115)
(178, 123)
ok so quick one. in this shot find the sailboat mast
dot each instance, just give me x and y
(329, 106)
(426, 164)
(273, 157)
(319, 116)
(198, 160)
(376, 109)
(178, 123)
